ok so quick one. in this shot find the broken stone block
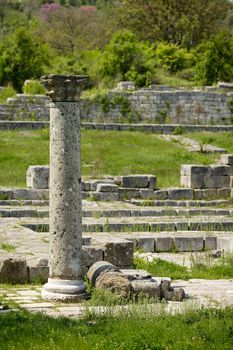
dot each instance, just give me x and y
(150, 288)
(91, 254)
(13, 270)
(174, 294)
(117, 251)
(38, 177)
(226, 159)
(97, 268)
(103, 187)
(136, 274)
(114, 281)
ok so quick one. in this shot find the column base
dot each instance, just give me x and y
(64, 290)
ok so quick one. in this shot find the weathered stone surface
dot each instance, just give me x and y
(164, 244)
(161, 194)
(38, 274)
(103, 187)
(97, 268)
(128, 193)
(38, 177)
(192, 181)
(210, 243)
(13, 270)
(188, 244)
(117, 251)
(146, 193)
(135, 181)
(224, 192)
(136, 274)
(179, 193)
(226, 159)
(174, 294)
(146, 244)
(150, 288)
(152, 182)
(104, 196)
(64, 88)
(115, 281)
(95, 183)
(191, 169)
(216, 181)
(221, 170)
(91, 254)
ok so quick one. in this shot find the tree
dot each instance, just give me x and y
(126, 58)
(184, 22)
(215, 61)
(22, 56)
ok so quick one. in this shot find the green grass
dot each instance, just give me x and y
(221, 139)
(204, 267)
(205, 329)
(7, 247)
(103, 152)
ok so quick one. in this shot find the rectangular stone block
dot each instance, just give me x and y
(198, 194)
(191, 169)
(192, 181)
(162, 226)
(164, 244)
(103, 187)
(224, 192)
(152, 182)
(105, 196)
(118, 252)
(210, 194)
(180, 193)
(32, 194)
(210, 243)
(161, 194)
(128, 193)
(135, 181)
(216, 181)
(146, 193)
(91, 254)
(221, 170)
(146, 244)
(6, 193)
(226, 159)
(188, 244)
(94, 183)
(38, 274)
(38, 177)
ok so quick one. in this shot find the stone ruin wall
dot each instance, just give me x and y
(157, 105)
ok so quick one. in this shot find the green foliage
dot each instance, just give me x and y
(172, 58)
(22, 57)
(33, 87)
(215, 61)
(127, 58)
(6, 92)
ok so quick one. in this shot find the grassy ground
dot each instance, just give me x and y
(103, 152)
(205, 329)
(204, 267)
(222, 139)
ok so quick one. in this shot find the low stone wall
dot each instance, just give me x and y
(209, 177)
(160, 105)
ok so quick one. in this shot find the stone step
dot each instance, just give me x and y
(143, 224)
(179, 203)
(148, 212)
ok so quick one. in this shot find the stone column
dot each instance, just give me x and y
(65, 275)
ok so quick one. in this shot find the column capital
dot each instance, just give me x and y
(64, 88)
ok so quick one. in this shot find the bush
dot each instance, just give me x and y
(6, 92)
(33, 87)
(215, 59)
(172, 58)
